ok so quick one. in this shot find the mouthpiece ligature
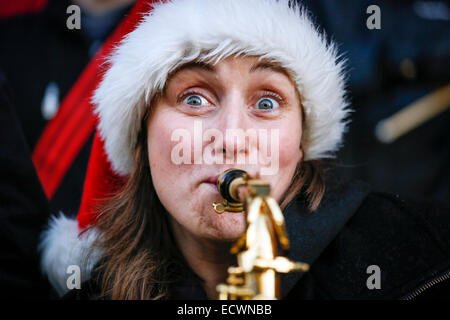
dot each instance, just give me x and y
(228, 184)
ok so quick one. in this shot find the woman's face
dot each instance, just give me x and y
(239, 113)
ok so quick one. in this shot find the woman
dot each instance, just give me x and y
(203, 86)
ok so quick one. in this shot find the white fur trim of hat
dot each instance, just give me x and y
(64, 251)
(181, 31)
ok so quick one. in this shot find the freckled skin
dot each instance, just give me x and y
(231, 93)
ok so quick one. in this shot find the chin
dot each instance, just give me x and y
(228, 226)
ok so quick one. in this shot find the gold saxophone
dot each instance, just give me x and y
(256, 277)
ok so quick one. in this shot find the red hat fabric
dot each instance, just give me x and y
(101, 183)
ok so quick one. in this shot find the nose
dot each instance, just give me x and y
(233, 122)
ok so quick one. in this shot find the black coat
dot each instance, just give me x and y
(408, 240)
(354, 228)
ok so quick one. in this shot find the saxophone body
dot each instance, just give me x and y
(259, 264)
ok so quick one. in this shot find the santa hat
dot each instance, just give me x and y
(182, 31)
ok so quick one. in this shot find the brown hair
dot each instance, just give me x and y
(139, 256)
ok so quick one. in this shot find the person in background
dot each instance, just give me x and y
(42, 59)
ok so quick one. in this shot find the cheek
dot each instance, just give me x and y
(290, 136)
(159, 145)
(289, 156)
(290, 152)
(163, 170)
(166, 173)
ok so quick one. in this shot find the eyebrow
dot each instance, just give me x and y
(211, 68)
(268, 66)
(195, 64)
(263, 65)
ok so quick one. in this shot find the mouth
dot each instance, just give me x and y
(211, 181)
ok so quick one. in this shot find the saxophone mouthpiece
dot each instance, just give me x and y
(228, 185)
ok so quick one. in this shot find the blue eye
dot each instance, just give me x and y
(195, 100)
(267, 104)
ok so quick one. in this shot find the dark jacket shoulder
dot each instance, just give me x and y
(406, 242)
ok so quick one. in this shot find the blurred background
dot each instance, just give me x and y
(388, 69)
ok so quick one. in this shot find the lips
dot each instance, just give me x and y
(211, 183)
(213, 179)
